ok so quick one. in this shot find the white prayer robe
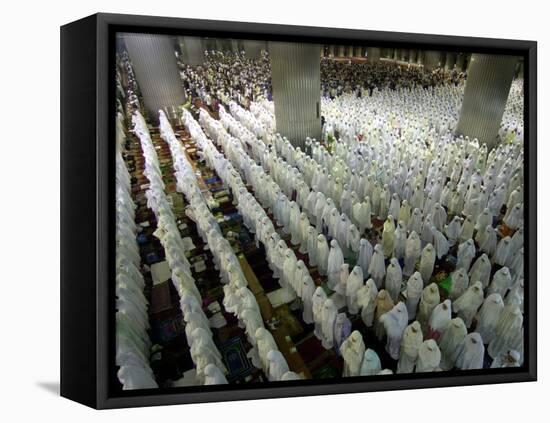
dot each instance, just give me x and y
(377, 267)
(488, 317)
(322, 255)
(427, 262)
(501, 283)
(429, 357)
(481, 271)
(450, 343)
(467, 304)
(354, 283)
(335, 261)
(410, 343)
(412, 253)
(471, 353)
(395, 321)
(353, 350)
(328, 315)
(394, 277)
(277, 365)
(365, 255)
(466, 252)
(459, 283)
(371, 363)
(366, 299)
(318, 301)
(213, 375)
(414, 292)
(428, 301)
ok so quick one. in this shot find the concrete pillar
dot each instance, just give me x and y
(349, 51)
(156, 72)
(332, 50)
(358, 51)
(192, 49)
(404, 55)
(485, 95)
(253, 48)
(396, 54)
(341, 51)
(432, 59)
(296, 81)
(450, 60)
(373, 54)
(412, 56)
(420, 57)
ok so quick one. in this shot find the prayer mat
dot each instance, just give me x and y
(161, 300)
(234, 356)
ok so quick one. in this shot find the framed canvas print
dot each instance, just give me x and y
(256, 211)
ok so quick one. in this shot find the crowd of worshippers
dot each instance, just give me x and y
(376, 220)
(361, 78)
(447, 208)
(226, 76)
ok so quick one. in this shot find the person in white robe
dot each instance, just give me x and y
(502, 251)
(395, 205)
(377, 267)
(429, 357)
(439, 319)
(366, 299)
(370, 364)
(471, 353)
(395, 321)
(414, 289)
(428, 301)
(213, 375)
(290, 375)
(265, 343)
(394, 278)
(388, 236)
(365, 255)
(487, 240)
(452, 230)
(354, 283)
(353, 350)
(361, 215)
(412, 253)
(277, 365)
(514, 216)
(318, 302)
(322, 255)
(335, 261)
(328, 315)
(136, 377)
(311, 246)
(384, 304)
(410, 344)
(404, 213)
(481, 271)
(467, 230)
(340, 288)
(415, 222)
(509, 328)
(488, 317)
(400, 240)
(253, 321)
(426, 235)
(459, 283)
(308, 288)
(501, 283)
(304, 227)
(427, 262)
(509, 359)
(451, 341)
(439, 218)
(484, 219)
(467, 304)
(440, 242)
(466, 253)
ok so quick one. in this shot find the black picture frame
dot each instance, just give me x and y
(87, 208)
